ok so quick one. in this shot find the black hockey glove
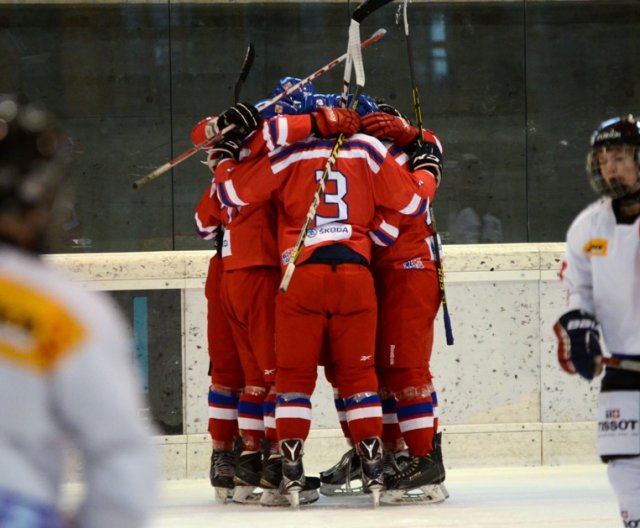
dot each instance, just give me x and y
(579, 349)
(227, 149)
(428, 157)
(244, 116)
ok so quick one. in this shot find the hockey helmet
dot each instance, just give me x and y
(295, 98)
(618, 132)
(279, 108)
(391, 110)
(32, 155)
(365, 106)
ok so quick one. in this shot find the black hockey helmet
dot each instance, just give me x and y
(389, 109)
(613, 133)
(31, 156)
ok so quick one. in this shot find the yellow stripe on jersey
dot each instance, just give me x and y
(596, 247)
(35, 330)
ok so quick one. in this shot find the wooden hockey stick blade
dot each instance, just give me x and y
(244, 72)
(368, 7)
(624, 364)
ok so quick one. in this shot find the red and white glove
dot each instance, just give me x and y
(389, 127)
(329, 121)
(205, 129)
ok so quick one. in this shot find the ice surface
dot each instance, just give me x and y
(540, 497)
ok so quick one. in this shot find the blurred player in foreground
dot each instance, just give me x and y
(66, 370)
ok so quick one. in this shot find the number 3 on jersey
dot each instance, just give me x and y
(332, 199)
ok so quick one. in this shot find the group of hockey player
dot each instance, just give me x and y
(361, 303)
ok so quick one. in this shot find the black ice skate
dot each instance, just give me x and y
(221, 473)
(416, 480)
(372, 467)
(247, 478)
(271, 481)
(431, 493)
(344, 478)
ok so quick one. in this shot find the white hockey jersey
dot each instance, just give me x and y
(601, 271)
(66, 372)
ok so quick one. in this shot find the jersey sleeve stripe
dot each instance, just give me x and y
(416, 206)
(206, 232)
(228, 196)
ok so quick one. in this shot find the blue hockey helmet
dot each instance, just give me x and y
(281, 107)
(296, 97)
(366, 104)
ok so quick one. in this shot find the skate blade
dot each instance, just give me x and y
(342, 490)
(246, 495)
(223, 494)
(430, 494)
(273, 497)
(293, 496)
(375, 495)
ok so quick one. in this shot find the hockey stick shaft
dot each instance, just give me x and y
(311, 213)
(623, 364)
(436, 246)
(354, 52)
(144, 180)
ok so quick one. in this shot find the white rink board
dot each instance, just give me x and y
(503, 399)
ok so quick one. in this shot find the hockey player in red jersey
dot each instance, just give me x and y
(331, 294)
(408, 301)
(227, 378)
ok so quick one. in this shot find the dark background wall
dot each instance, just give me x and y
(513, 88)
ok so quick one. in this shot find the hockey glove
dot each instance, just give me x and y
(428, 157)
(223, 150)
(244, 116)
(390, 127)
(579, 349)
(329, 121)
(204, 129)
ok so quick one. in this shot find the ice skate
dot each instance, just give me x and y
(372, 467)
(344, 478)
(272, 479)
(418, 471)
(293, 477)
(221, 474)
(412, 480)
(248, 471)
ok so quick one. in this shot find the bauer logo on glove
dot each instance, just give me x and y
(579, 350)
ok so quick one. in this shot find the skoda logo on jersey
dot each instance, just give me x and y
(328, 232)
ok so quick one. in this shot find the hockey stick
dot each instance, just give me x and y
(144, 180)
(436, 246)
(623, 364)
(354, 60)
(244, 72)
(359, 14)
